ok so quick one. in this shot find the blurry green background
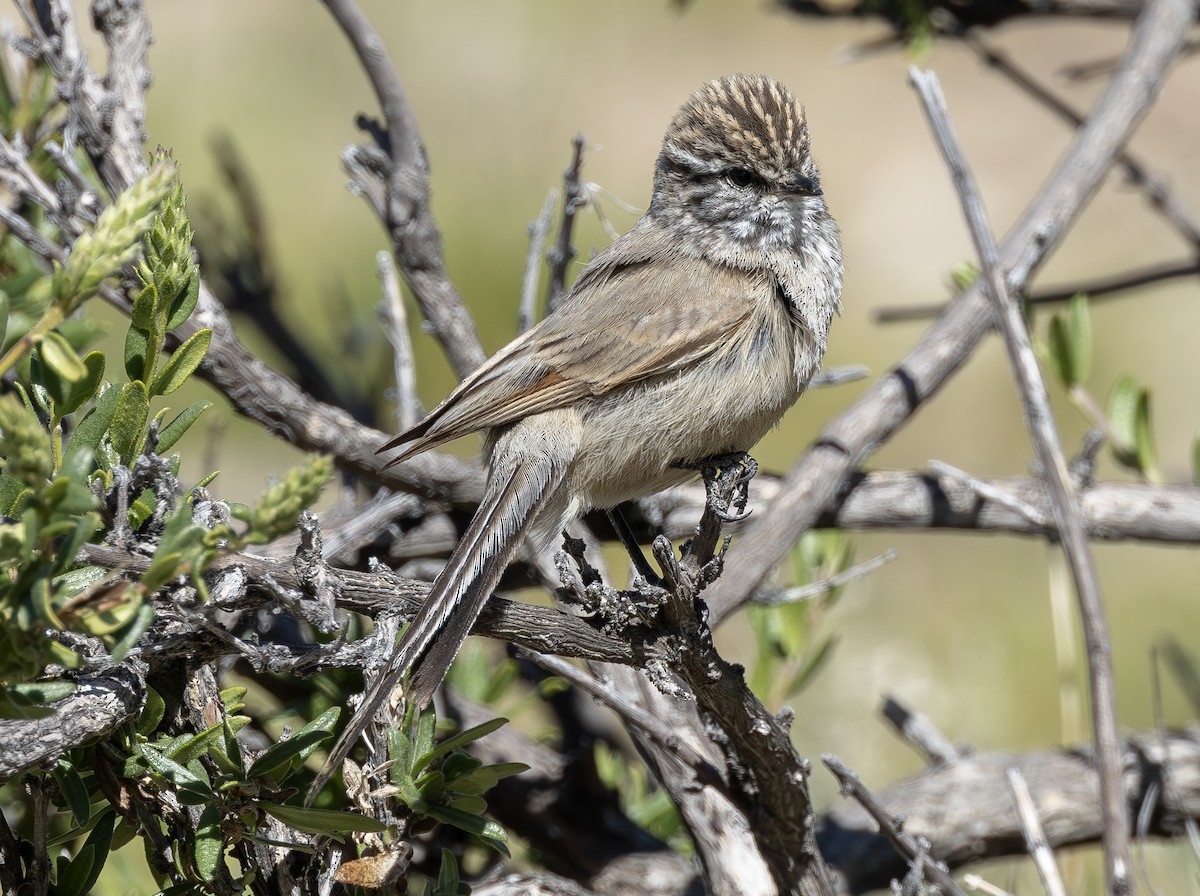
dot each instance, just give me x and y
(959, 625)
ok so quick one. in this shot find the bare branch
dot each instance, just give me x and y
(101, 703)
(538, 628)
(403, 204)
(1039, 420)
(919, 731)
(1035, 837)
(1101, 287)
(538, 231)
(813, 483)
(899, 499)
(564, 251)
(965, 809)
(915, 849)
(633, 715)
(395, 327)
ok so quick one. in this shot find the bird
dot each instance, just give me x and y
(688, 337)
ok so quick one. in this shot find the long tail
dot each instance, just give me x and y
(433, 638)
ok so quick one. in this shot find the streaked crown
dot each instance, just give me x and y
(751, 120)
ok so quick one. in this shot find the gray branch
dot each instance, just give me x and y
(814, 482)
(101, 703)
(1035, 407)
(965, 810)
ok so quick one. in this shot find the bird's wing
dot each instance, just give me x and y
(634, 313)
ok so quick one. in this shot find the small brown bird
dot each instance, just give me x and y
(687, 338)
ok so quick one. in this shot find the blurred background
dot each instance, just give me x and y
(959, 626)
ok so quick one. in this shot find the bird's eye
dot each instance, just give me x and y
(740, 177)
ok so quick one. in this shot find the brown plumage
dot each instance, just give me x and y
(688, 337)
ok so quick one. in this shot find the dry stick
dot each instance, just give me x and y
(416, 241)
(905, 843)
(918, 731)
(1035, 407)
(990, 493)
(633, 715)
(824, 586)
(907, 499)
(814, 482)
(538, 231)
(1035, 837)
(1101, 287)
(564, 251)
(1152, 187)
(395, 327)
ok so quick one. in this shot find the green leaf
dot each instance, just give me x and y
(459, 740)
(1079, 336)
(280, 755)
(138, 627)
(475, 783)
(93, 426)
(59, 356)
(322, 821)
(228, 754)
(1143, 437)
(233, 698)
(43, 692)
(85, 389)
(73, 874)
(183, 363)
(813, 662)
(3, 317)
(183, 778)
(1122, 415)
(1070, 342)
(481, 827)
(210, 844)
(447, 879)
(101, 840)
(152, 713)
(173, 431)
(185, 302)
(469, 803)
(144, 307)
(129, 420)
(74, 791)
(137, 346)
(507, 769)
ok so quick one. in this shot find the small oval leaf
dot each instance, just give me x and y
(129, 420)
(183, 363)
(173, 431)
(322, 821)
(58, 354)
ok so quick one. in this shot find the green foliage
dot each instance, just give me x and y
(441, 782)
(114, 242)
(447, 882)
(1070, 342)
(277, 509)
(56, 495)
(641, 800)
(790, 644)
(1133, 436)
(1126, 419)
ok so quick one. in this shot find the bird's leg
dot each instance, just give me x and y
(629, 540)
(736, 469)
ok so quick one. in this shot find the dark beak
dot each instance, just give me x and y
(803, 186)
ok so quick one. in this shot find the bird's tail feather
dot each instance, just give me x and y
(433, 638)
